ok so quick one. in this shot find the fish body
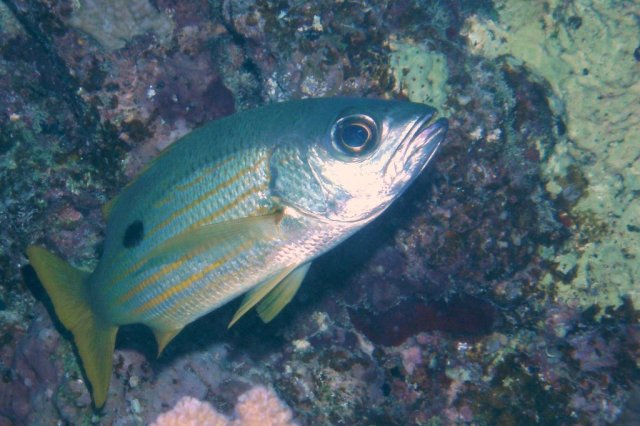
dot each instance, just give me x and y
(239, 206)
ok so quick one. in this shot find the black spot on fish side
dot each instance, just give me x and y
(574, 22)
(134, 234)
(561, 128)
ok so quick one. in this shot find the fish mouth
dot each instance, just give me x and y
(417, 149)
(427, 139)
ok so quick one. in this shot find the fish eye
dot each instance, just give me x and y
(354, 134)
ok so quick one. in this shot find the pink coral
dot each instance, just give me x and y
(190, 411)
(262, 407)
(257, 407)
(411, 358)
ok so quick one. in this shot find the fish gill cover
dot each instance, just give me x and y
(525, 226)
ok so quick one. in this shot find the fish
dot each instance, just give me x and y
(242, 205)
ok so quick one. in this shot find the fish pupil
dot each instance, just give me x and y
(355, 135)
(133, 234)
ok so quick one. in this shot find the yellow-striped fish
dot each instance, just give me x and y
(241, 205)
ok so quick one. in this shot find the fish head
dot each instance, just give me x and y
(369, 153)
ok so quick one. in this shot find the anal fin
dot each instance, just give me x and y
(273, 294)
(256, 294)
(163, 337)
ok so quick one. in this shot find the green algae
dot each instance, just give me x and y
(420, 74)
(582, 50)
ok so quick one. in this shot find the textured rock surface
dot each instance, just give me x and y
(114, 23)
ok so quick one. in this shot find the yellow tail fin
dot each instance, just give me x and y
(94, 339)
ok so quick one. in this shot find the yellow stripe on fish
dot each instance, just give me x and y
(181, 286)
(206, 173)
(220, 212)
(173, 266)
(185, 210)
(207, 195)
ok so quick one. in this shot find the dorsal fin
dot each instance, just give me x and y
(107, 207)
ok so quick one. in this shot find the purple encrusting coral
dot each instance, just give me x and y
(432, 314)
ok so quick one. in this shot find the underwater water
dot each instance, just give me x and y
(500, 288)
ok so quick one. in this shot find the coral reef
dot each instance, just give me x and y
(500, 289)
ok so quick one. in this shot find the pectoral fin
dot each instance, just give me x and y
(282, 294)
(222, 237)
